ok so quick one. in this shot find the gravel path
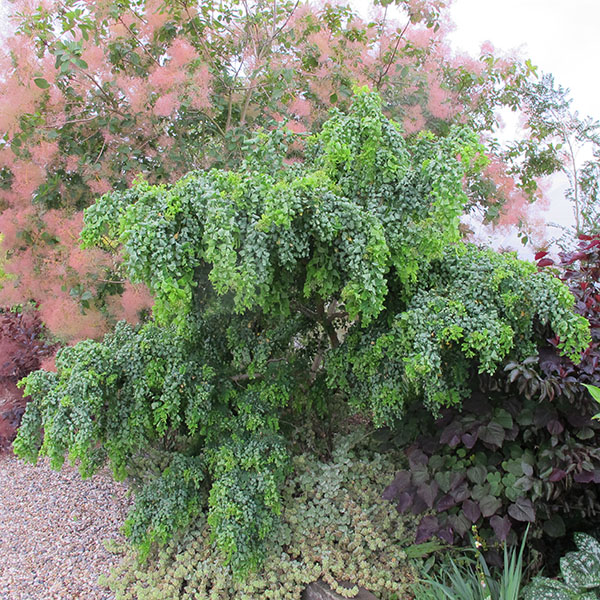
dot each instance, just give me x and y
(52, 528)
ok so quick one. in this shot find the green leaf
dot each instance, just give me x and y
(493, 434)
(489, 505)
(41, 83)
(555, 526)
(503, 418)
(477, 474)
(593, 390)
(80, 63)
(542, 588)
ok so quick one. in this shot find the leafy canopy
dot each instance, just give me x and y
(95, 92)
(283, 290)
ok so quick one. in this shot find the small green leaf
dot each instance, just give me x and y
(593, 390)
(80, 63)
(41, 83)
(555, 526)
(489, 505)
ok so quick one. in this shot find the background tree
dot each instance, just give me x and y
(97, 92)
(577, 140)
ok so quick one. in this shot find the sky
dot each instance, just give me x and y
(560, 37)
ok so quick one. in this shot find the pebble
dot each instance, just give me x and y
(52, 528)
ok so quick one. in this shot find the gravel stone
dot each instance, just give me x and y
(52, 528)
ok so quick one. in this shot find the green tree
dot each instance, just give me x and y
(560, 140)
(284, 293)
(94, 93)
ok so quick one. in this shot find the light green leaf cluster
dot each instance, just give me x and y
(150, 403)
(472, 307)
(363, 202)
(334, 525)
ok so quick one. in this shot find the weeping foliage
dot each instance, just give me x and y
(281, 289)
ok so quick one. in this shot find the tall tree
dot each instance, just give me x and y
(96, 92)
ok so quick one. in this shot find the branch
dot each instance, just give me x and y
(342, 314)
(575, 182)
(139, 42)
(71, 122)
(101, 150)
(387, 68)
(247, 377)
(325, 321)
(278, 31)
(307, 312)
(112, 101)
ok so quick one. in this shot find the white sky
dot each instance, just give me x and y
(559, 36)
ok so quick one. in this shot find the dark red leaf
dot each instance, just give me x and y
(427, 528)
(416, 457)
(501, 526)
(584, 477)
(471, 510)
(446, 535)
(555, 427)
(451, 434)
(522, 510)
(545, 262)
(573, 257)
(404, 502)
(428, 493)
(469, 439)
(399, 485)
(456, 479)
(461, 492)
(445, 503)
(418, 505)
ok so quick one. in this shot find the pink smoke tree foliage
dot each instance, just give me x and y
(95, 93)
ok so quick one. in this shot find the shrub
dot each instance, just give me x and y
(23, 346)
(283, 291)
(557, 375)
(525, 447)
(501, 463)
